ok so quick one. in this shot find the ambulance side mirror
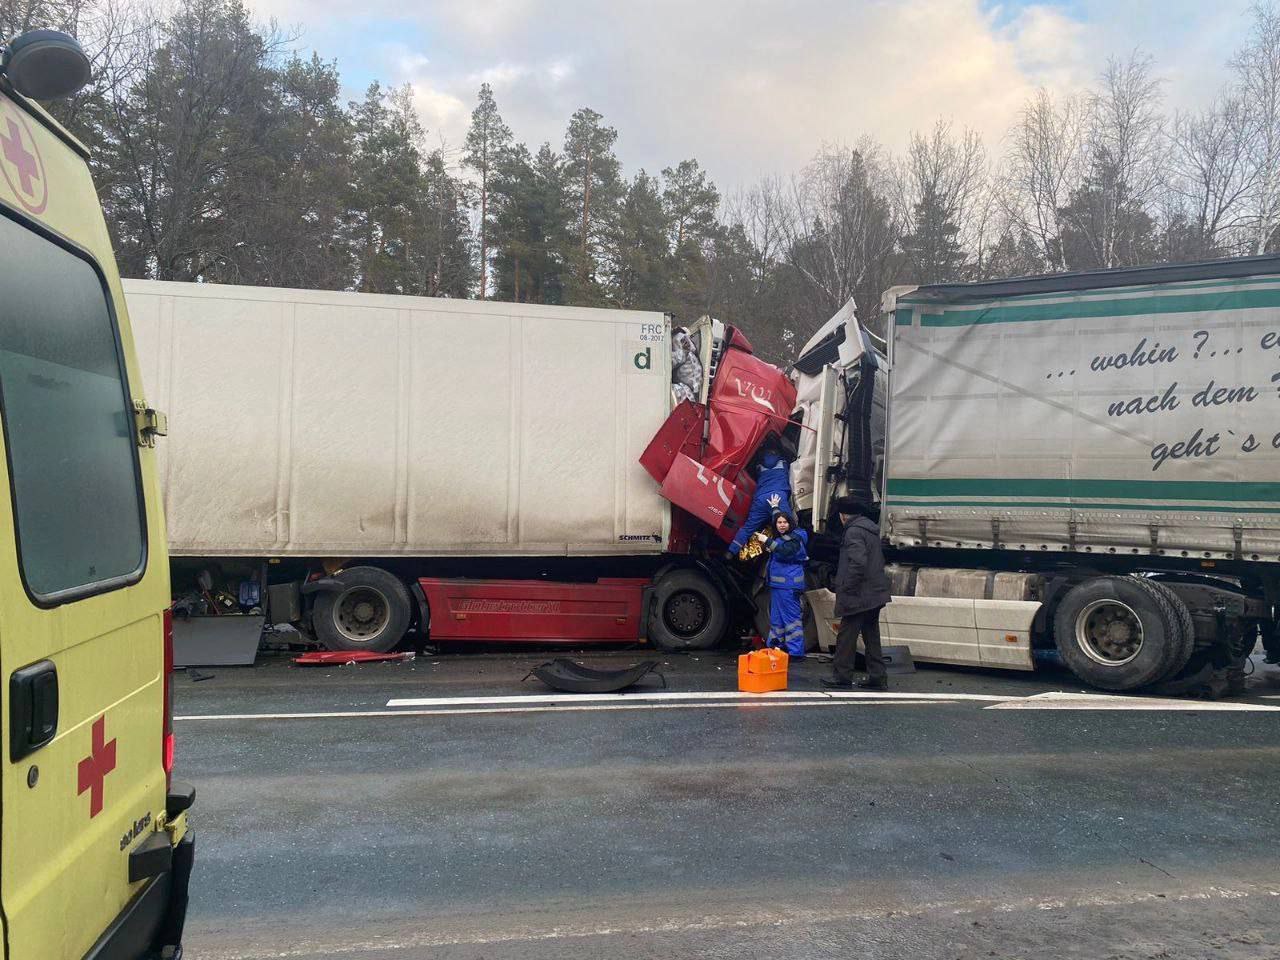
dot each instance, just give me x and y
(45, 65)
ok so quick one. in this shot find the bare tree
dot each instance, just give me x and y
(764, 213)
(1106, 221)
(1211, 176)
(185, 139)
(111, 33)
(943, 190)
(1043, 166)
(1257, 69)
(844, 225)
(19, 16)
(1128, 125)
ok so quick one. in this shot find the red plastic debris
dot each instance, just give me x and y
(321, 658)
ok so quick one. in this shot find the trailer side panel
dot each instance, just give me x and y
(1133, 420)
(314, 424)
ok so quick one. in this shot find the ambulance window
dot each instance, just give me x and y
(68, 422)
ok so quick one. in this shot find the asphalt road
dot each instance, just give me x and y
(967, 816)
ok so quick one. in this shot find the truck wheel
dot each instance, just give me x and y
(1181, 653)
(688, 612)
(1118, 633)
(371, 612)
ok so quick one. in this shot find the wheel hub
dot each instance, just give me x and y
(685, 613)
(361, 613)
(1109, 632)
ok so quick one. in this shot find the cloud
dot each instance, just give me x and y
(444, 115)
(751, 87)
(489, 20)
(1051, 48)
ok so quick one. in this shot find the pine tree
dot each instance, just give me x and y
(386, 171)
(532, 226)
(691, 201)
(933, 247)
(594, 189)
(487, 140)
(443, 255)
(641, 260)
(1016, 254)
(294, 235)
(1102, 225)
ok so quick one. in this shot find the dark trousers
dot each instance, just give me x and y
(866, 623)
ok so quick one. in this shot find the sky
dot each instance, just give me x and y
(752, 88)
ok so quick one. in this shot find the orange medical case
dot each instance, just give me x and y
(762, 670)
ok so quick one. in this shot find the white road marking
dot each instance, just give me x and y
(567, 708)
(1099, 701)
(651, 696)
(710, 699)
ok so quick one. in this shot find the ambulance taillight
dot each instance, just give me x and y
(167, 739)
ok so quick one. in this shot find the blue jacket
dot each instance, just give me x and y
(772, 477)
(787, 557)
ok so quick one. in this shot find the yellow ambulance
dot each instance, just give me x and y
(95, 852)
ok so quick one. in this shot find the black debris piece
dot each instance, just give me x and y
(566, 675)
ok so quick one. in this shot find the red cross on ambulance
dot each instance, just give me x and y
(20, 160)
(91, 773)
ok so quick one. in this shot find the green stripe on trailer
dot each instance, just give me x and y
(1098, 309)
(1226, 284)
(1148, 491)
(1145, 508)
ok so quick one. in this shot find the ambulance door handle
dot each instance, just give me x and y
(33, 708)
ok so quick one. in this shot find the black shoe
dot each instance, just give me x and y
(831, 683)
(869, 684)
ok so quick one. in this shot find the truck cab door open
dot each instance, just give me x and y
(840, 390)
(811, 480)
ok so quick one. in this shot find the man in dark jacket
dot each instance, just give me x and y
(862, 590)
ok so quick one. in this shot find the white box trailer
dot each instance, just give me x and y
(1101, 448)
(329, 424)
(367, 460)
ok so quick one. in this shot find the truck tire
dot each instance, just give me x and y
(689, 612)
(1118, 633)
(370, 612)
(1181, 653)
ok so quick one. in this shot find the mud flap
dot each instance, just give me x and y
(169, 939)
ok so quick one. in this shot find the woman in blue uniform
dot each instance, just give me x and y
(787, 556)
(773, 489)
